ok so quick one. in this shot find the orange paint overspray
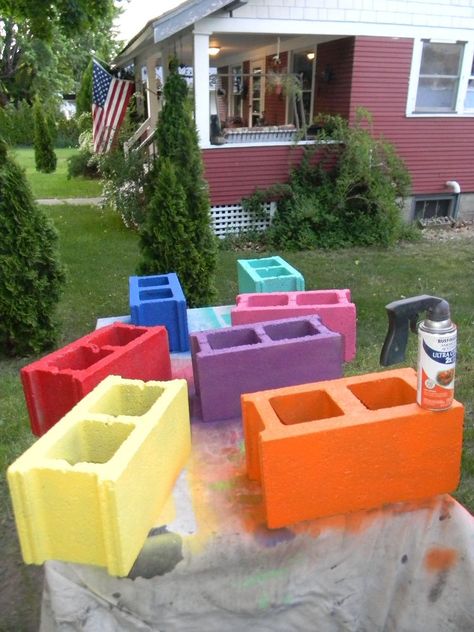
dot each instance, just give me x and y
(439, 559)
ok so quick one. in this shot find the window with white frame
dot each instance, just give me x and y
(442, 79)
(469, 100)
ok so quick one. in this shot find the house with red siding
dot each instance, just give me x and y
(261, 72)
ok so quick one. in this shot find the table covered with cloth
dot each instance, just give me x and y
(211, 564)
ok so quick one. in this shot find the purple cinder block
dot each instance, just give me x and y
(159, 300)
(231, 361)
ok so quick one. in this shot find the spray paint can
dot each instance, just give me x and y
(436, 347)
(436, 363)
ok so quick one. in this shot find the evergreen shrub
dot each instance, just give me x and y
(45, 158)
(177, 141)
(31, 276)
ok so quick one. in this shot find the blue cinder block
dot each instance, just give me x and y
(159, 300)
(272, 274)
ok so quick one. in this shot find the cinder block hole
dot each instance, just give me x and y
(266, 273)
(90, 441)
(387, 393)
(267, 300)
(127, 399)
(299, 408)
(264, 263)
(319, 298)
(153, 295)
(117, 337)
(291, 329)
(79, 358)
(233, 338)
(153, 281)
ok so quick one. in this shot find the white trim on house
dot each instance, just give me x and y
(322, 27)
(464, 76)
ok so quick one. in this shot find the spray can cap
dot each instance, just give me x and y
(404, 313)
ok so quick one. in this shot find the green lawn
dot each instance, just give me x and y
(100, 254)
(56, 185)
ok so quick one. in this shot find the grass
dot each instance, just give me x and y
(56, 184)
(100, 254)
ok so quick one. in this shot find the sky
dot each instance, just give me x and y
(137, 13)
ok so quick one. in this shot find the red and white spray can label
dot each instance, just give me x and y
(436, 366)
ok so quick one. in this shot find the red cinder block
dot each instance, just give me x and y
(55, 383)
(348, 444)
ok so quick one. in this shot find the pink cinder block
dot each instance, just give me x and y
(230, 361)
(333, 306)
(56, 382)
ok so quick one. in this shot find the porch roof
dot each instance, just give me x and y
(172, 22)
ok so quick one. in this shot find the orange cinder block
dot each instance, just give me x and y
(348, 444)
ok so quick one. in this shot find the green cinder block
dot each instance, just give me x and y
(90, 489)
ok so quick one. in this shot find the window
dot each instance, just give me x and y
(469, 102)
(434, 207)
(439, 77)
(442, 79)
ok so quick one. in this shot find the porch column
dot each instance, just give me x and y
(152, 99)
(201, 87)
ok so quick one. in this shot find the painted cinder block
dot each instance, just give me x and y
(348, 444)
(334, 307)
(271, 274)
(159, 300)
(56, 382)
(90, 489)
(234, 360)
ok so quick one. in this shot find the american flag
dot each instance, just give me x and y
(110, 97)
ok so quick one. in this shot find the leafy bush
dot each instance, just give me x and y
(45, 158)
(350, 194)
(67, 132)
(85, 163)
(125, 179)
(31, 275)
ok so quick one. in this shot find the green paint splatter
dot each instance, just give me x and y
(221, 486)
(263, 576)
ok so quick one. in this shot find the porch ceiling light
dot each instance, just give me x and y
(310, 56)
(214, 50)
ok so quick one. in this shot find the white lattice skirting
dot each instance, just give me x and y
(229, 219)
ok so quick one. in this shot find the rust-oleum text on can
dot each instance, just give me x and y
(436, 346)
(436, 364)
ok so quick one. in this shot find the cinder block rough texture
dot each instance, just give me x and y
(348, 444)
(91, 488)
(55, 383)
(234, 360)
(159, 300)
(334, 307)
(272, 274)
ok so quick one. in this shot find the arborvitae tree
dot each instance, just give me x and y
(45, 158)
(177, 141)
(31, 275)
(167, 216)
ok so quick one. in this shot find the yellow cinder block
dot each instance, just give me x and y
(90, 489)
